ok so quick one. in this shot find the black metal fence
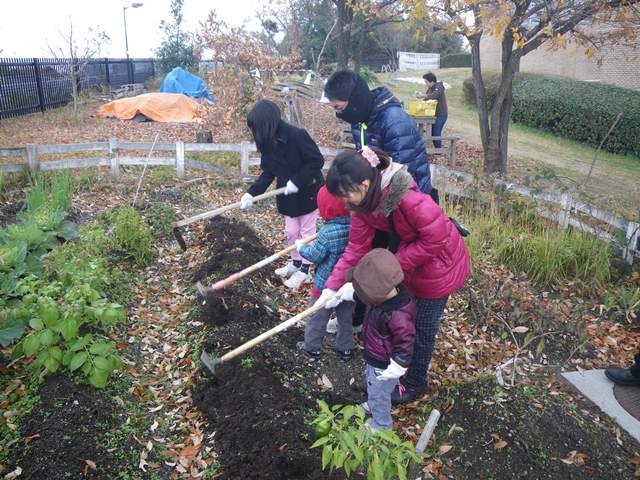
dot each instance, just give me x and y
(29, 85)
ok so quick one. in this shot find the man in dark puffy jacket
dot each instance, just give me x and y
(378, 120)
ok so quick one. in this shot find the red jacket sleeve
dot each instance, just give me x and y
(360, 239)
(432, 227)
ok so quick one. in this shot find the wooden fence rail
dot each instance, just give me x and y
(569, 214)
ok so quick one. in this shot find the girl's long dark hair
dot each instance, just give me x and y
(263, 121)
(349, 169)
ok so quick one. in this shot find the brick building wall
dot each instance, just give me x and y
(620, 66)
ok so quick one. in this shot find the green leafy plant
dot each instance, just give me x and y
(349, 445)
(247, 363)
(629, 301)
(160, 216)
(367, 75)
(131, 234)
(54, 329)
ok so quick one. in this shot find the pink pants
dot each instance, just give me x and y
(298, 228)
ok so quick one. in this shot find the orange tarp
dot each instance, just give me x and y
(160, 107)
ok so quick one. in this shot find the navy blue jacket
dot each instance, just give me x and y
(391, 128)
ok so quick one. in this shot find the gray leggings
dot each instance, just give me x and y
(316, 327)
(379, 398)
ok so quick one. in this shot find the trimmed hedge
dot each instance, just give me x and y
(581, 111)
(456, 60)
(491, 84)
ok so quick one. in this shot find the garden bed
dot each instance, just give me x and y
(259, 404)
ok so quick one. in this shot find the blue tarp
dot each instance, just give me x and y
(179, 80)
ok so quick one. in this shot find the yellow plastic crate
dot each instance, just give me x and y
(422, 108)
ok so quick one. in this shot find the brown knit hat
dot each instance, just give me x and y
(375, 275)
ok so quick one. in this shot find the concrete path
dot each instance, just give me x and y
(599, 389)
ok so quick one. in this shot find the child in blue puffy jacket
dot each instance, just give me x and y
(328, 247)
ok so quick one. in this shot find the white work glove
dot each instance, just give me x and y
(392, 372)
(326, 294)
(290, 188)
(299, 244)
(345, 294)
(246, 201)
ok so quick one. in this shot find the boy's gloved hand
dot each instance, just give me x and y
(326, 294)
(392, 372)
(246, 201)
(299, 244)
(345, 294)
(290, 188)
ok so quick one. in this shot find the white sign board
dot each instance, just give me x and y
(411, 61)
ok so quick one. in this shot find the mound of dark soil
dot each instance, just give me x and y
(230, 247)
(540, 431)
(66, 428)
(258, 403)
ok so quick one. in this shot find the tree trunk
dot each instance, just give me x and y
(345, 17)
(359, 53)
(496, 150)
(480, 91)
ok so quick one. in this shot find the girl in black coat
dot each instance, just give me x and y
(291, 157)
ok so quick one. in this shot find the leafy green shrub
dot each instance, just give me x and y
(160, 216)
(348, 445)
(491, 85)
(581, 111)
(54, 334)
(69, 297)
(456, 60)
(131, 235)
(367, 75)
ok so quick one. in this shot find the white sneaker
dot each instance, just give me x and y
(297, 279)
(286, 271)
(332, 325)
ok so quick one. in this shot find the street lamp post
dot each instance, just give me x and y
(126, 40)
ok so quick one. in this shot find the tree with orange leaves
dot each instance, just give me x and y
(522, 26)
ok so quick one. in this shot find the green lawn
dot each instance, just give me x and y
(613, 184)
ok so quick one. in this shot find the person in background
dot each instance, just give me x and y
(292, 158)
(324, 252)
(435, 91)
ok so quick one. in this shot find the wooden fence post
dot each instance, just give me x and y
(633, 232)
(452, 153)
(244, 159)
(180, 159)
(565, 213)
(32, 157)
(113, 158)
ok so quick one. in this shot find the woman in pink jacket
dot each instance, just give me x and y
(383, 196)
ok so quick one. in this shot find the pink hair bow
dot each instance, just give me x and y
(370, 156)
